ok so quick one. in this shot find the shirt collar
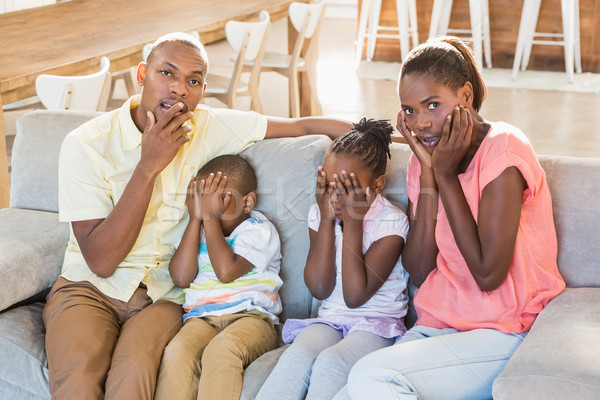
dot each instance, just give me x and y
(131, 137)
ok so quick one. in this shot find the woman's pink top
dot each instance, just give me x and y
(450, 297)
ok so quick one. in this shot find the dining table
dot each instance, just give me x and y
(70, 37)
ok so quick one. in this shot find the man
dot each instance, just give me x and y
(122, 186)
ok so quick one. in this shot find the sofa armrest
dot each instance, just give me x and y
(32, 248)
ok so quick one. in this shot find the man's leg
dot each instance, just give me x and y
(462, 365)
(292, 374)
(81, 332)
(244, 338)
(330, 371)
(143, 337)
(180, 366)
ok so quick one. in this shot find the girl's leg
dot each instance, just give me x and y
(330, 371)
(291, 376)
(449, 366)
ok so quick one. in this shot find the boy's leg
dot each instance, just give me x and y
(143, 337)
(244, 337)
(180, 366)
(462, 365)
(81, 332)
(291, 376)
(331, 369)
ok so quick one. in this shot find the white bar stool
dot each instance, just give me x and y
(480, 26)
(407, 27)
(570, 36)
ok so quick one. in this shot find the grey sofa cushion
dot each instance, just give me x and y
(23, 370)
(257, 373)
(560, 357)
(286, 170)
(32, 248)
(575, 187)
(34, 176)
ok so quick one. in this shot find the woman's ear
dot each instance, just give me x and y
(141, 73)
(466, 95)
(248, 201)
(379, 184)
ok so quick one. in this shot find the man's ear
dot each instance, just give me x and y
(379, 184)
(248, 201)
(141, 73)
(466, 93)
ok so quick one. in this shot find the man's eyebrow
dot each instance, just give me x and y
(171, 65)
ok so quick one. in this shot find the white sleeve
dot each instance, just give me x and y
(258, 243)
(393, 223)
(314, 217)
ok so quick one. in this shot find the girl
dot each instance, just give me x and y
(353, 265)
(482, 245)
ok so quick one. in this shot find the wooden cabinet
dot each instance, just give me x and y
(505, 16)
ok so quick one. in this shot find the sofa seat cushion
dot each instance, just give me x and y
(560, 357)
(257, 373)
(32, 248)
(24, 369)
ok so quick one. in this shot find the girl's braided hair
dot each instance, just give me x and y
(369, 141)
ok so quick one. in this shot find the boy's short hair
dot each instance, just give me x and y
(236, 168)
(181, 37)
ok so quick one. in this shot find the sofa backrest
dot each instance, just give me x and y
(286, 170)
(34, 174)
(574, 183)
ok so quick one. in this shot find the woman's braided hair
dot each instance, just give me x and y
(369, 141)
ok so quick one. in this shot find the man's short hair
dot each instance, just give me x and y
(181, 37)
(236, 168)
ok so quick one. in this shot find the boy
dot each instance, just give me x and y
(228, 259)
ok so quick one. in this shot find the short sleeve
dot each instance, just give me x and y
(314, 217)
(258, 243)
(232, 131)
(393, 223)
(82, 192)
(511, 150)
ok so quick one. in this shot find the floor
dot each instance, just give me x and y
(564, 123)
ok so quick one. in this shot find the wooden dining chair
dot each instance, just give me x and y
(307, 20)
(248, 40)
(89, 92)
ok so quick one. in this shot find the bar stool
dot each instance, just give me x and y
(480, 26)
(407, 27)
(528, 34)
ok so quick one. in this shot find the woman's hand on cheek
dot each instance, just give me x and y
(416, 146)
(454, 143)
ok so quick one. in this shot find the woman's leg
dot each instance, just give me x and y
(291, 376)
(331, 369)
(441, 365)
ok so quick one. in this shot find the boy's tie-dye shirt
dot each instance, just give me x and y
(257, 240)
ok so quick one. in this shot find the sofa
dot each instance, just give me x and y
(559, 359)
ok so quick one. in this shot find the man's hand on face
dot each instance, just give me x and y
(163, 138)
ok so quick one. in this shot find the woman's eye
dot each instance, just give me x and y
(409, 111)
(165, 73)
(433, 106)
